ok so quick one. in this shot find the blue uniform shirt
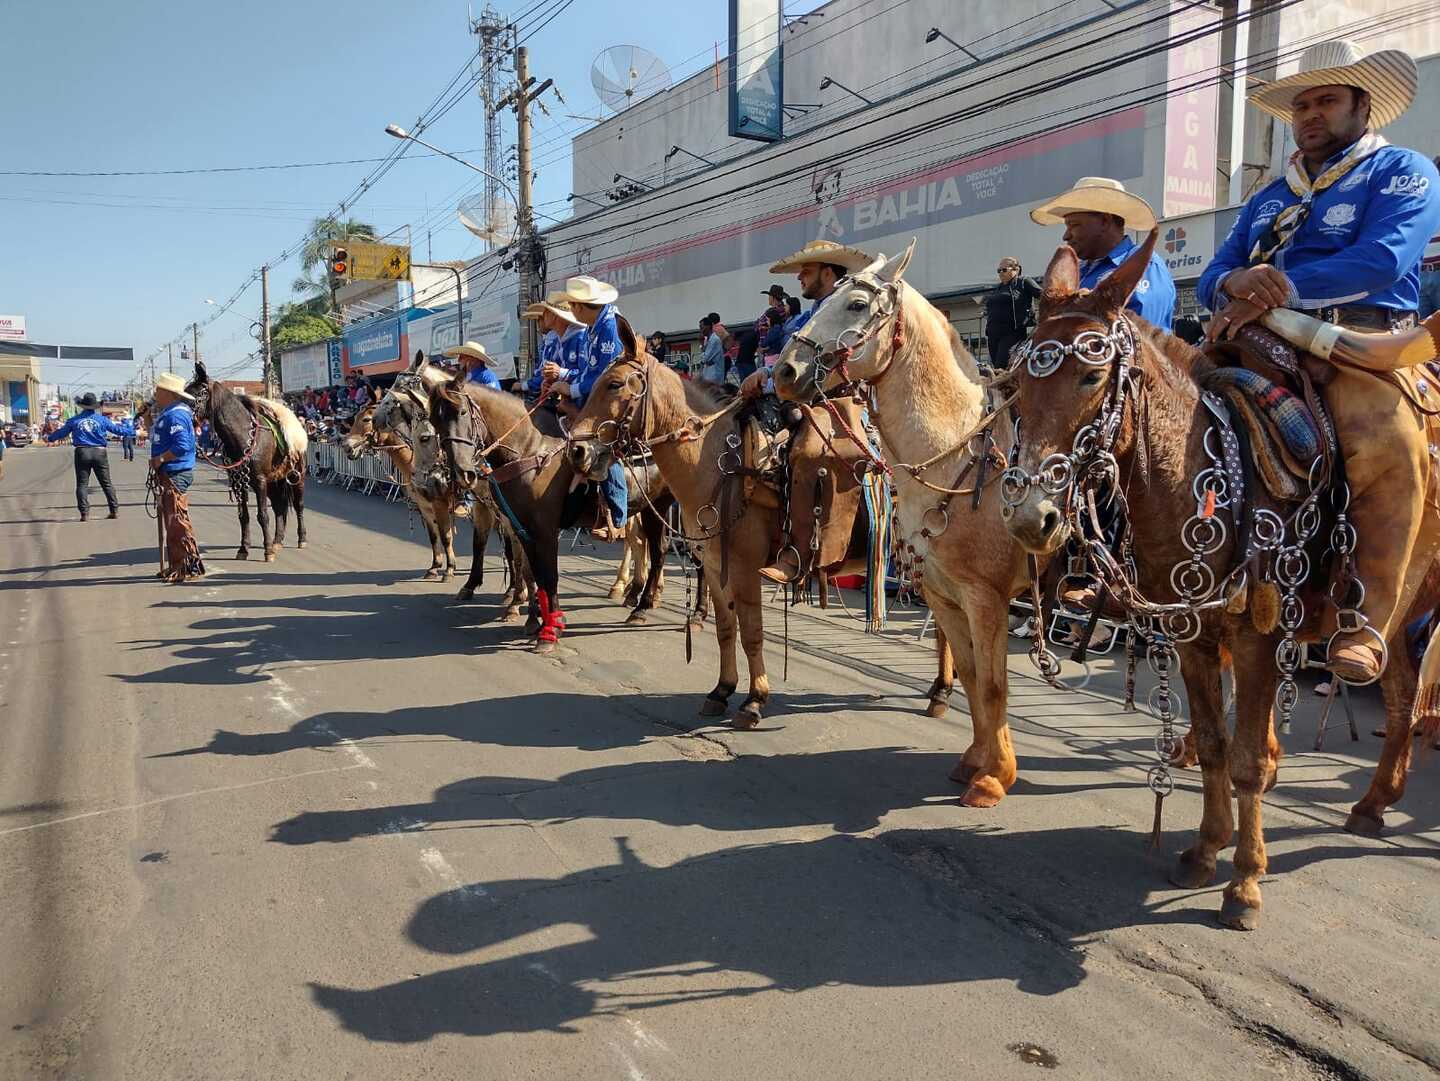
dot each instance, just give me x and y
(604, 349)
(1362, 242)
(485, 377)
(549, 354)
(174, 431)
(1154, 297)
(795, 322)
(88, 429)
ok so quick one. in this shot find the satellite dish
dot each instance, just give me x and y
(494, 223)
(624, 73)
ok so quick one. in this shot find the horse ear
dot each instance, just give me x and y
(201, 376)
(418, 361)
(627, 336)
(894, 270)
(1062, 276)
(1114, 292)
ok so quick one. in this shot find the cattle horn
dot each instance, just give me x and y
(1376, 352)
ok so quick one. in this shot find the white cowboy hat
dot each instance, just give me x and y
(587, 290)
(1096, 195)
(174, 384)
(469, 349)
(1389, 76)
(823, 251)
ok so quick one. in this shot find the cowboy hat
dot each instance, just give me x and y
(587, 290)
(174, 384)
(469, 349)
(87, 400)
(1096, 195)
(823, 251)
(1388, 76)
(556, 305)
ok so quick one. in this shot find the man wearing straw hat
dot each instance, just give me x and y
(1096, 213)
(563, 347)
(172, 470)
(1341, 235)
(476, 362)
(593, 303)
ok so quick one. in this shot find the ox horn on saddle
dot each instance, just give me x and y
(1375, 352)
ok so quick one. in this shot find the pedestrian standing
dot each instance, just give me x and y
(88, 432)
(712, 354)
(172, 471)
(127, 442)
(1009, 311)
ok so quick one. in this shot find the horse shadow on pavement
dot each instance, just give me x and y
(904, 908)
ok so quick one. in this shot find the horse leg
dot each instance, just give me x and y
(750, 611)
(1195, 867)
(950, 621)
(986, 610)
(652, 548)
(939, 693)
(701, 612)
(481, 523)
(624, 572)
(726, 627)
(543, 555)
(279, 491)
(527, 593)
(635, 543)
(1399, 685)
(297, 500)
(242, 508)
(1249, 759)
(427, 517)
(262, 513)
(445, 527)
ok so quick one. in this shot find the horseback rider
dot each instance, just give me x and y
(1096, 213)
(819, 266)
(564, 344)
(1341, 235)
(592, 302)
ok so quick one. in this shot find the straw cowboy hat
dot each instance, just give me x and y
(823, 251)
(1389, 77)
(556, 305)
(587, 290)
(1096, 195)
(469, 349)
(174, 384)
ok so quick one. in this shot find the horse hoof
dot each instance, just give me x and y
(748, 717)
(1364, 825)
(1239, 916)
(464, 595)
(532, 626)
(963, 772)
(938, 707)
(301, 544)
(431, 576)
(1191, 874)
(243, 553)
(615, 593)
(639, 615)
(544, 648)
(711, 708)
(269, 557)
(983, 793)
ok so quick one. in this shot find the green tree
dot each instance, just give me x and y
(315, 254)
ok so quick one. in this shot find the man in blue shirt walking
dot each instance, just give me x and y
(1096, 213)
(88, 431)
(172, 470)
(1342, 235)
(593, 303)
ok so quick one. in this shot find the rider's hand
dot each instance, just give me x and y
(1261, 285)
(754, 385)
(550, 370)
(1230, 319)
(561, 388)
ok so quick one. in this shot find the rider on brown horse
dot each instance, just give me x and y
(1341, 236)
(822, 458)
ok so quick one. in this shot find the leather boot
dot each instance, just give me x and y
(1387, 467)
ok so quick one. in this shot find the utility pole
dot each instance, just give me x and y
(169, 359)
(267, 373)
(524, 217)
(195, 330)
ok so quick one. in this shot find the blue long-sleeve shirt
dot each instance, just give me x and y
(604, 348)
(1154, 296)
(485, 377)
(549, 354)
(174, 430)
(89, 429)
(795, 322)
(1362, 242)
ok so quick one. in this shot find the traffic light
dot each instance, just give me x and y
(340, 264)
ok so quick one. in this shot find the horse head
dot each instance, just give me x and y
(615, 415)
(846, 340)
(1073, 380)
(361, 434)
(199, 389)
(449, 439)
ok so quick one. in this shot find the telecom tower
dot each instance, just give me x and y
(496, 52)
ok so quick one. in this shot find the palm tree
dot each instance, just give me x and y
(324, 233)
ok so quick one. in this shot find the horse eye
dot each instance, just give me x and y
(857, 305)
(615, 384)
(1094, 378)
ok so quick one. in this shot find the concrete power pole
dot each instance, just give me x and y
(267, 375)
(195, 350)
(524, 216)
(169, 360)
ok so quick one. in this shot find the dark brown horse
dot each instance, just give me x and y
(532, 483)
(263, 450)
(1107, 400)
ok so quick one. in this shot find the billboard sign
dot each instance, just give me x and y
(379, 262)
(304, 366)
(1190, 114)
(490, 319)
(12, 328)
(374, 342)
(757, 70)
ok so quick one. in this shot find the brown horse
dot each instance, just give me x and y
(264, 450)
(928, 404)
(1101, 382)
(530, 480)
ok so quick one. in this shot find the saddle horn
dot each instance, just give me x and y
(1375, 352)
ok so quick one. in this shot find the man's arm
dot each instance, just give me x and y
(61, 432)
(115, 427)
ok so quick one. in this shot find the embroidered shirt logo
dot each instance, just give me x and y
(1407, 184)
(1268, 210)
(1340, 215)
(1354, 180)
(1143, 285)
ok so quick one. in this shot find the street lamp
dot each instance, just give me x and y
(677, 149)
(828, 82)
(936, 33)
(576, 195)
(621, 176)
(400, 133)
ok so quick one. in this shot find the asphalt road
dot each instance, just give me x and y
(311, 819)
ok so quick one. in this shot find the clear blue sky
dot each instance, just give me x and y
(130, 261)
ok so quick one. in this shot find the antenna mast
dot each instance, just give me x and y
(496, 49)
